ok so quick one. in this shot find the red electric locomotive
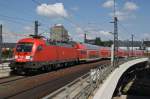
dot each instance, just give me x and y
(37, 53)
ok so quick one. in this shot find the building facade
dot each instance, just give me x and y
(59, 33)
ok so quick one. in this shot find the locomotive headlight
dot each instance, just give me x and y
(16, 56)
(29, 57)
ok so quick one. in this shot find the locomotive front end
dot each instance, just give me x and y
(23, 56)
(23, 52)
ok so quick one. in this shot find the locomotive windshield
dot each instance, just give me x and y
(24, 47)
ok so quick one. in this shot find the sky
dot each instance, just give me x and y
(93, 17)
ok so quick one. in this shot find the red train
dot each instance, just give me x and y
(36, 53)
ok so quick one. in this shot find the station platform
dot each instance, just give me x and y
(4, 70)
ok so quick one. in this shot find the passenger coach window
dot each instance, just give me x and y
(83, 52)
(24, 47)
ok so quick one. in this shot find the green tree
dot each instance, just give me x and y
(108, 43)
(98, 41)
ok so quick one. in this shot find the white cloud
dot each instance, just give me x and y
(146, 36)
(29, 29)
(78, 35)
(52, 10)
(124, 15)
(91, 34)
(108, 4)
(79, 30)
(11, 36)
(105, 33)
(130, 6)
(121, 15)
(125, 12)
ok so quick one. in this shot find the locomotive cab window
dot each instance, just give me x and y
(24, 47)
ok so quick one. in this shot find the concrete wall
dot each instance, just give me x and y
(107, 89)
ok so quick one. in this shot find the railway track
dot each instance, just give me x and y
(35, 87)
(10, 79)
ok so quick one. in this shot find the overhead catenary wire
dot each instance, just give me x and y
(124, 28)
(65, 18)
(18, 35)
(16, 18)
(27, 13)
(13, 21)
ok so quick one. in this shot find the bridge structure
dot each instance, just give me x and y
(106, 90)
